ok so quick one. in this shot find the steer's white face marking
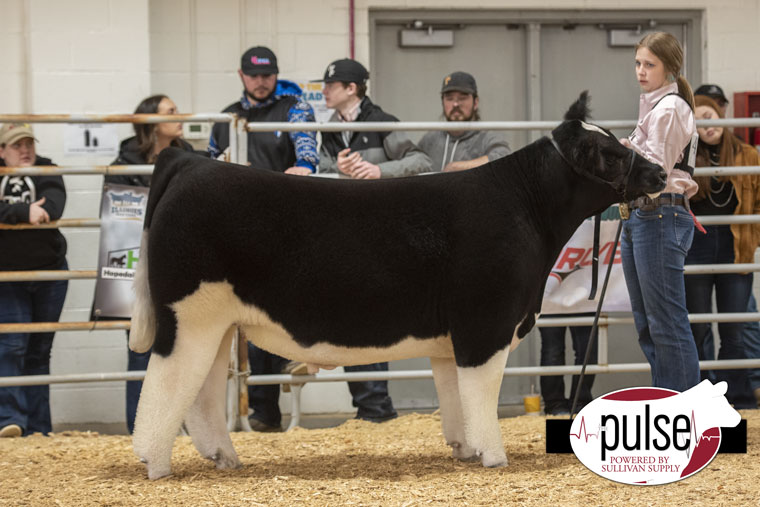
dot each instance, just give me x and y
(593, 128)
(217, 301)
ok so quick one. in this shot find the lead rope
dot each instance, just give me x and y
(594, 327)
(595, 257)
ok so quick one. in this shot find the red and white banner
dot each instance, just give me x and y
(569, 283)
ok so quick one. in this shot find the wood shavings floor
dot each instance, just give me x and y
(403, 462)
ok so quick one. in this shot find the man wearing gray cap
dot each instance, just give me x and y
(456, 151)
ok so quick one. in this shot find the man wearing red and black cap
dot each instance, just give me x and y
(268, 99)
(363, 155)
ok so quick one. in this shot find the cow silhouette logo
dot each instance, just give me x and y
(650, 435)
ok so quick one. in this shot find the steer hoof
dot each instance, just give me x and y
(463, 452)
(157, 472)
(494, 459)
(225, 462)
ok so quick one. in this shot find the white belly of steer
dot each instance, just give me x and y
(216, 300)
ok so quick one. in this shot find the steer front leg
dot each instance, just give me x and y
(479, 393)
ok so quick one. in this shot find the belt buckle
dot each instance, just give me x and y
(625, 211)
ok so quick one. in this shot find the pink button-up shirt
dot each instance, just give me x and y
(663, 132)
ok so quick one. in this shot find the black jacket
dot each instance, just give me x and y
(393, 152)
(129, 154)
(266, 150)
(37, 248)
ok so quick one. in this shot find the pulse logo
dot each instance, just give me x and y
(650, 435)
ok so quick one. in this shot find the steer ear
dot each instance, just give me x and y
(579, 110)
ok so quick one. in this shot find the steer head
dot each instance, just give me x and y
(596, 154)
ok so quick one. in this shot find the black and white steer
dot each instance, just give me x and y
(332, 272)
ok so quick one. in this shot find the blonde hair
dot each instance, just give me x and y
(667, 48)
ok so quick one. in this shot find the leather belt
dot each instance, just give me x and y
(647, 204)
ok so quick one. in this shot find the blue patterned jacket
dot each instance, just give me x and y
(272, 150)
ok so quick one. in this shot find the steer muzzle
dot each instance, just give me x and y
(646, 179)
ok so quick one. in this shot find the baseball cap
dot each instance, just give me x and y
(345, 70)
(259, 60)
(12, 132)
(459, 82)
(711, 90)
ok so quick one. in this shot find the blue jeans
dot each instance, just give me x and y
(553, 354)
(136, 361)
(28, 353)
(653, 247)
(751, 337)
(371, 397)
(732, 291)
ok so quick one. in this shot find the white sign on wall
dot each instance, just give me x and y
(90, 139)
(312, 93)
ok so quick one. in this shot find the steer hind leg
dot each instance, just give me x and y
(479, 393)
(452, 421)
(171, 385)
(205, 421)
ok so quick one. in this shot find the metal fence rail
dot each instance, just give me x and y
(238, 152)
(465, 125)
(262, 380)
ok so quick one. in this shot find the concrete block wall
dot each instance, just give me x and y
(106, 55)
(81, 56)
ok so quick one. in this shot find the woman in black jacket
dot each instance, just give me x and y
(143, 148)
(34, 200)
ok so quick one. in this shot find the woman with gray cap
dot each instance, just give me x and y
(32, 200)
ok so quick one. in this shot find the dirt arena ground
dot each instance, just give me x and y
(402, 462)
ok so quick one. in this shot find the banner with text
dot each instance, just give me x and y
(122, 211)
(569, 283)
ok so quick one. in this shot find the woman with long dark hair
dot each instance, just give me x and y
(723, 244)
(143, 148)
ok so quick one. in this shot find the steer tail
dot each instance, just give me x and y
(143, 328)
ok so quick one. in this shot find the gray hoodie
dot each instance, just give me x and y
(443, 148)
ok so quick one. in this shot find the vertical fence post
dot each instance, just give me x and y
(237, 389)
(603, 344)
(233, 148)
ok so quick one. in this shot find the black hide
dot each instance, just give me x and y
(368, 263)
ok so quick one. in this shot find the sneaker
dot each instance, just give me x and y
(377, 419)
(11, 431)
(293, 368)
(263, 427)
